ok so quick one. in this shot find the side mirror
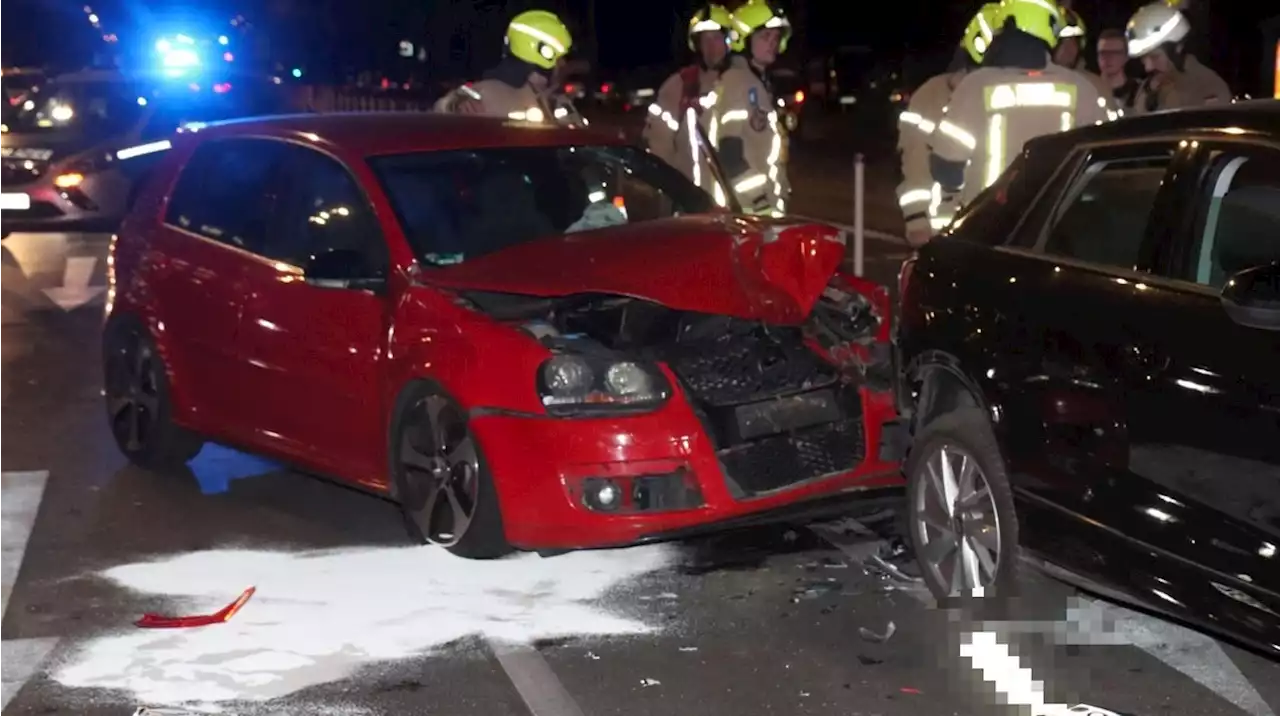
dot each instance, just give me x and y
(1252, 297)
(342, 268)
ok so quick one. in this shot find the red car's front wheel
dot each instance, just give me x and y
(446, 493)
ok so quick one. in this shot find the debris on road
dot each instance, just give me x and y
(688, 648)
(593, 656)
(650, 682)
(869, 635)
(156, 621)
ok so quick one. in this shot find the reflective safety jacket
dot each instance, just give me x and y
(995, 111)
(746, 132)
(1195, 86)
(921, 198)
(682, 103)
(499, 99)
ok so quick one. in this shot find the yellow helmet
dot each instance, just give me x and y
(712, 18)
(1073, 26)
(982, 29)
(1039, 18)
(759, 15)
(539, 38)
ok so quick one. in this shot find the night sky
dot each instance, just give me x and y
(465, 35)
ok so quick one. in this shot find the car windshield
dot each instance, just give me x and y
(93, 108)
(457, 205)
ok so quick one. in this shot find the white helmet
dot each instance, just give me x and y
(1154, 25)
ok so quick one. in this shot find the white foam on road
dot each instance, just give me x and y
(319, 616)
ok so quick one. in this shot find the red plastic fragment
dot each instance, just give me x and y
(156, 621)
(909, 690)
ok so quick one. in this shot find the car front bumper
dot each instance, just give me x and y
(663, 465)
(97, 204)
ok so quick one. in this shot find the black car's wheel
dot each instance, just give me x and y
(137, 396)
(446, 493)
(960, 508)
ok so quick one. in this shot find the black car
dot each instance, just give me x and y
(1090, 362)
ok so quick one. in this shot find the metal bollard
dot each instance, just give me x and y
(859, 189)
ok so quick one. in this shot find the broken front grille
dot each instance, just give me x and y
(788, 459)
(748, 366)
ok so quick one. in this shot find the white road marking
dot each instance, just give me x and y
(539, 687)
(75, 290)
(1194, 655)
(20, 497)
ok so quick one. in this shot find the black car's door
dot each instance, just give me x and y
(1158, 427)
(1082, 257)
(1204, 397)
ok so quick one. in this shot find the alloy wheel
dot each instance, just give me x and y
(133, 391)
(956, 522)
(441, 468)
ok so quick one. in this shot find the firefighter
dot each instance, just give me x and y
(519, 87)
(1175, 79)
(924, 208)
(744, 121)
(1073, 42)
(670, 129)
(1017, 95)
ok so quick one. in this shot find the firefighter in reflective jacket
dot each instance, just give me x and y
(683, 99)
(1157, 35)
(519, 87)
(1018, 94)
(744, 122)
(924, 207)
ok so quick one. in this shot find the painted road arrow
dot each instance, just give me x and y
(75, 290)
(20, 496)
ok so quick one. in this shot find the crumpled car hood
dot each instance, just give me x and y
(772, 270)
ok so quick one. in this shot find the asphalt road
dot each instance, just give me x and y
(347, 619)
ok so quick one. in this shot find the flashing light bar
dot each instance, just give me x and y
(142, 149)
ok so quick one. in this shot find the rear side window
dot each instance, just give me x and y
(224, 192)
(1104, 217)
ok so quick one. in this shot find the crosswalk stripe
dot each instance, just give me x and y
(20, 497)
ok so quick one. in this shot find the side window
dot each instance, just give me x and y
(225, 192)
(1238, 215)
(1103, 218)
(322, 210)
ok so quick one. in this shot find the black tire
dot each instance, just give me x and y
(483, 537)
(138, 407)
(967, 431)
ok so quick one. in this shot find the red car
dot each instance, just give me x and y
(530, 337)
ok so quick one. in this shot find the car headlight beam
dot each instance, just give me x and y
(571, 384)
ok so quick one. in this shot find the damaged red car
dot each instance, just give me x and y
(530, 337)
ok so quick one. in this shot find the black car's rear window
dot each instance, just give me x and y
(457, 205)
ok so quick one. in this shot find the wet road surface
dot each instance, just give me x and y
(348, 619)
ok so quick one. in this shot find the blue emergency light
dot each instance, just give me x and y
(178, 54)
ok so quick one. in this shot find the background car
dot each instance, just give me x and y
(65, 148)
(1092, 369)
(531, 337)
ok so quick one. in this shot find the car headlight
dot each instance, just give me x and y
(572, 384)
